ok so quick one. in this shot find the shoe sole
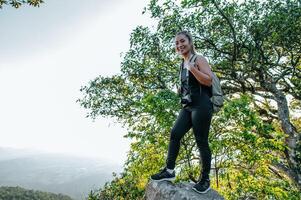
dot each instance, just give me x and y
(200, 191)
(164, 179)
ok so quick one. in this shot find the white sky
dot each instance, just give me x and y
(46, 55)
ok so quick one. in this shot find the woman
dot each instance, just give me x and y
(196, 112)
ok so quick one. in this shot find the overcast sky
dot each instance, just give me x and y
(46, 55)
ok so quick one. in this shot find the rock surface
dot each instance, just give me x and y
(166, 190)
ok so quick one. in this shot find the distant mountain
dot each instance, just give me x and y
(74, 176)
(11, 153)
(18, 193)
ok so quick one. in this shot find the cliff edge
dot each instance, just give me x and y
(166, 190)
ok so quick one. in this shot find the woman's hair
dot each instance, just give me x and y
(188, 35)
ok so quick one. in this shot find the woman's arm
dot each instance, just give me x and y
(202, 71)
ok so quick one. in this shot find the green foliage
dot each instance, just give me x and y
(93, 195)
(12, 193)
(19, 3)
(142, 162)
(244, 161)
(254, 47)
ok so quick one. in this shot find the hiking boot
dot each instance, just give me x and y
(163, 175)
(202, 186)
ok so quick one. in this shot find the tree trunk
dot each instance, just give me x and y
(292, 136)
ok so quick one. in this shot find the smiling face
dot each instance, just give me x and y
(183, 45)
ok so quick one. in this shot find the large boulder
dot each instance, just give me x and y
(165, 190)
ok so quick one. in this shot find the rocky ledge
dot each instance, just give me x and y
(166, 190)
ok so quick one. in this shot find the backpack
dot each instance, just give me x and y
(217, 98)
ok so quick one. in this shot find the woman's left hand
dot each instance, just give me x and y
(189, 65)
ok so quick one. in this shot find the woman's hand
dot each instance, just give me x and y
(189, 65)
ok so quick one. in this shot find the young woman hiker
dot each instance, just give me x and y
(196, 112)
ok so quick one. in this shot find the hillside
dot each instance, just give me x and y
(13, 193)
(70, 175)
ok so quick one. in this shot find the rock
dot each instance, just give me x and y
(165, 190)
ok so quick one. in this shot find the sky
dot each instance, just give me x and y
(46, 55)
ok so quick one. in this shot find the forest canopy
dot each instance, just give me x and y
(12, 193)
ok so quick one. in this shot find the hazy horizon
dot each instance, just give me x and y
(46, 55)
(49, 172)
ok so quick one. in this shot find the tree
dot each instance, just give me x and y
(18, 3)
(254, 47)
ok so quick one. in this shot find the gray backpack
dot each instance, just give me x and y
(217, 98)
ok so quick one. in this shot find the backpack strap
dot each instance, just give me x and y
(182, 65)
(193, 57)
(180, 72)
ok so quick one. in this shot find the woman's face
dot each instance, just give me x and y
(182, 44)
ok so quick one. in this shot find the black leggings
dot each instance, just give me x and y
(199, 118)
